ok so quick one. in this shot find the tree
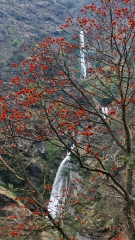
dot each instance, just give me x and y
(50, 101)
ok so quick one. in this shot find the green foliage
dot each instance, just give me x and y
(6, 69)
(41, 188)
(53, 151)
(9, 179)
(15, 42)
(127, 160)
(11, 31)
(10, 186)
(117, 220)
(2, 183)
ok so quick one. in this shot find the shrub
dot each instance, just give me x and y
(15, 42)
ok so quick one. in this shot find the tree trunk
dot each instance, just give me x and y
(128, 222)
(127, 206)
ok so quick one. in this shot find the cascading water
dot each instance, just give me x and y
(105, 112)
(60, 187)
(82, 55)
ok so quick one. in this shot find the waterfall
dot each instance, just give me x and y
(82, 55)
(105, 112)
(60, 187)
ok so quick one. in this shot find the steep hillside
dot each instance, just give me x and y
(23, 21)
(74, 6)
(28, 22)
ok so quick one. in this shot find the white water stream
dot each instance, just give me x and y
(82, 55)
(61, 184)
(60, 187)
(105, 112)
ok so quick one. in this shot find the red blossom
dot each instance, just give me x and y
(114, 168)
(112, 111)
(44, 67)
(91, 199)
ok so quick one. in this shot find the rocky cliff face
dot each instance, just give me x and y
(16, 220)
(23, 21)
(9, 208)
(28, 22)
(75, 6)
